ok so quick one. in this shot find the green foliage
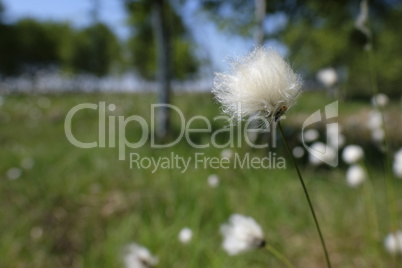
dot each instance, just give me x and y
(30, 44)
(94, 49)
(322, 33)
(79, 207)
(142, 44)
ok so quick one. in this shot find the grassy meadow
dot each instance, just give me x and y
(73, 207)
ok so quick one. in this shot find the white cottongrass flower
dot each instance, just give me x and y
(397, 165)
(352, 154)
(355, 175)
(227, 153)
(378, 134)
(335, 139)
(380, 100)
(393, 242)
(27, 163)
(310, 135)
(298, 152)
(321, 153)
(241, 234)
(185, 235)
(137, 256)
(328, 77)
(261, 83)
(213, 180)
(14, 173)
(374, 120)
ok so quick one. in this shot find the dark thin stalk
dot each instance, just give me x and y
(307, 196)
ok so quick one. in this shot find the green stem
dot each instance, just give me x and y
(278, 255)
(307, 197)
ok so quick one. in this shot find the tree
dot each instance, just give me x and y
(319, 34)
(160, 49)
(93, 50)
(29, 45)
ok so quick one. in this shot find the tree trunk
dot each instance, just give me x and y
(162, 39)
(260, 6)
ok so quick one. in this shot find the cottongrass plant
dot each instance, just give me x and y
(137, 256)
(379, 101)
(352, 154)
(242, 233)
(356, 176)
(185, 235)
(262, 84)
(397, 165)
(393, 242)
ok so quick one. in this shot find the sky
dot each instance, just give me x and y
(111, 12)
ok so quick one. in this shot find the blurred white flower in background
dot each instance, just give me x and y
(185, 235)
(227, 153)
(355, 175)
(323, 153)
(378, 134)
(36, 232)
(241, 234)
(380, 100)
(298, 152)
(393, 242)
(213, 180)
(352, 154)
(374, 120)
(14, 173)
(137, 256)
(397, 165)
(310, 135)
(261, 83)
(328, 77)
(27, 163)
(335, 137)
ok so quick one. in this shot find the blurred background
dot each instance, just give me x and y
(62, 206)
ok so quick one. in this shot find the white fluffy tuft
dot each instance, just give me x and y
(258, 84)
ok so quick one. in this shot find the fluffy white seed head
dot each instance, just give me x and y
(261, 83)
(378, 134)
(374, 120)
(310, 135)
(352, 153)
(379, 100)
(393, 242)
(185, 235)
(137, 256)
(322, 153)
(398, 155)
(14, 173)
(241, 234)
(227, 153)
(397, 165)
(213, 180)
(328, 77)
(355, 175)
(298, 152)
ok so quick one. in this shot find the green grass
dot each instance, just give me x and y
(88, 204)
